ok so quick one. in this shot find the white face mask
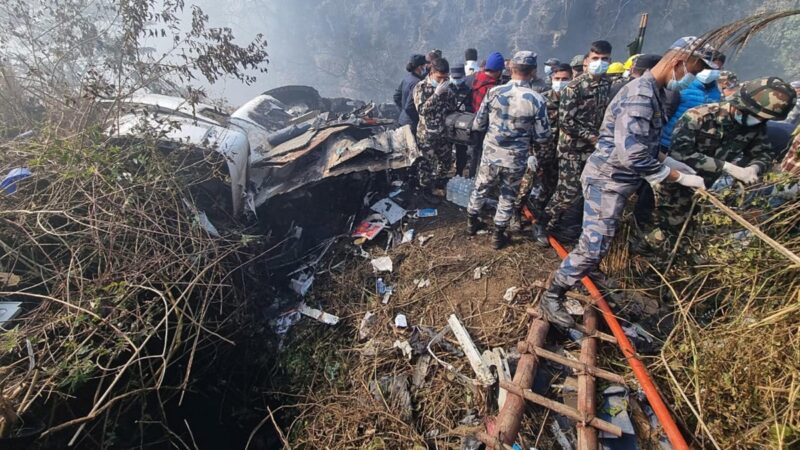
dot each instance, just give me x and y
(750, 121)
(598, 67)
(708, 76)
(626, 74)
(559, 85)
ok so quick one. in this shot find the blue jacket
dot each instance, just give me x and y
(404, 99)
(695, 95)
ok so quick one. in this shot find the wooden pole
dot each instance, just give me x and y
(754, 229)
(562, 409)
(587, 398)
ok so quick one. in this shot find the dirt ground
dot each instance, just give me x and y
(361, 391)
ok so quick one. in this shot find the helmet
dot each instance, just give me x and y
(766, 98)
(616, 68)
(728, 79)
(629, 63)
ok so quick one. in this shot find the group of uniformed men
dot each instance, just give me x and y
(586, 140)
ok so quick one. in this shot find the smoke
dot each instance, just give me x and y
(358, 48)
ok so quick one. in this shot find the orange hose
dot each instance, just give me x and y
(639, 370)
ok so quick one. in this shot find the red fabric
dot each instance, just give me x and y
(480, 87)
(790, 163)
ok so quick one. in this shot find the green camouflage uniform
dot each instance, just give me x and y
(539, 184)
(437, 154)
(705, 138)
(580, 113)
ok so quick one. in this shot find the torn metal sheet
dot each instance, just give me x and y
(330, 152)
(318, 315)
(483, 373)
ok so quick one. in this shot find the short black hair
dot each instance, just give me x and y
(524, 69)
(601, 47)
(440, 65)
(471, 54)
(719, 56)
(563, 67)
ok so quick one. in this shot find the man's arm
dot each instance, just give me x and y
(398, 96)
(542, 133)
(684, 146)
(481, 122)
(568, 117)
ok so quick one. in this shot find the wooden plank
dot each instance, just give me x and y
(587, 398)
(578, 365)
(562, 409)
(533, 312)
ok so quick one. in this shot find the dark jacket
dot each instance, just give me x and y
(463, 94)
(404, 99)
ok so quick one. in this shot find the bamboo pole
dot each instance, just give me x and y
(754, 229)
(587, 398)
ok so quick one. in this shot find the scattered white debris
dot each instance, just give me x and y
(284, 322)
(408, 236)
(205, 223)
(382, 264)
(318, 315)
(482, 232)
(401, 321)
(479, 272)
(421, 371)
(483, 373)
(367, 325)
(423, 239)
(387, 294)
(497, 358)
(422, 283)
(404, 347)
(390, 210)
(302, 283)
(511, 294)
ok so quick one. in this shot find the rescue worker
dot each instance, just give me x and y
(403, 96)
(794, 116)
(615, 71)
(514, 117)
(539, 182)
(434, 100)
(627, 153)
(577, 64)
(485, 80)
(580, 113)
(471, 62)
(728, 83)
(640, 64)
(725, 138)
(549, 66)
(537, 84)
(628, 66)
(463, 96)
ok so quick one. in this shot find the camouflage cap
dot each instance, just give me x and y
(728, 78)
(696, 47)
(577, 60)
(524, 58)
(766, 98)
(552, 62)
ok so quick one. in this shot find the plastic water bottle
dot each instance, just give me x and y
(450, 184)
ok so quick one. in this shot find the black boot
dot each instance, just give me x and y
(473, 224)
(552, 307)
(540, 235)
(500, 238)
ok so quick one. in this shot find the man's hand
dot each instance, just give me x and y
(674, 164)
(747, 175)
(690, 181)
(441, 88)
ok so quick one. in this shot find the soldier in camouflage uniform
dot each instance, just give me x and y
(728, 137)
(514, 117)
(580, 112)
(627, 153)
(434, 100)
(539, 184)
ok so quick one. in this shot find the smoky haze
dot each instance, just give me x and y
(358, 48)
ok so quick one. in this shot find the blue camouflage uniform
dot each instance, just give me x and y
(514, 117)
(626, 154)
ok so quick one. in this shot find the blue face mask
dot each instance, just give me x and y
(708, 76)
(559, 85)
(434, 82)
(683, 83)
(598, 67)
(457, 81)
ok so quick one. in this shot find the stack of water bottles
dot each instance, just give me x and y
(459, 189)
